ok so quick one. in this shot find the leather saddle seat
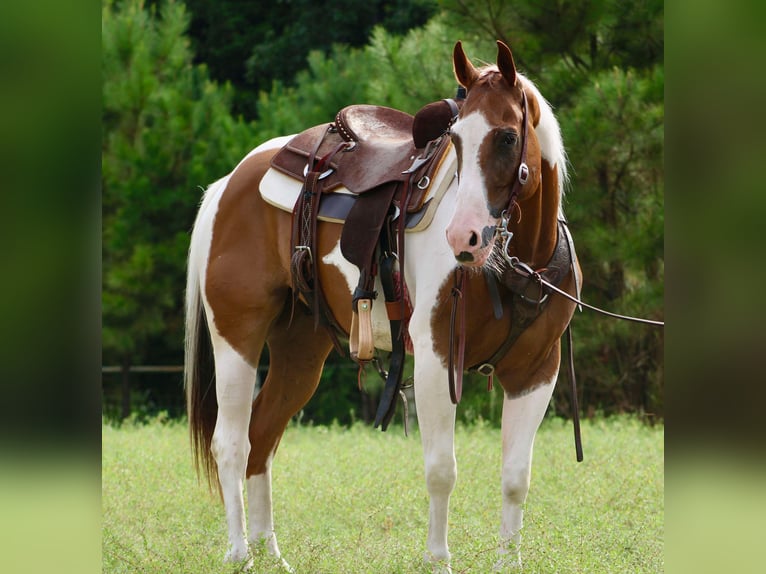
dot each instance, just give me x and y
(381, 150)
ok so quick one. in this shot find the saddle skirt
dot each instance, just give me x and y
(381, 151)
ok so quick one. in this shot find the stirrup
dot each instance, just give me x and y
(361, 343)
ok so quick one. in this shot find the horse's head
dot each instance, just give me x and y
(497, 150)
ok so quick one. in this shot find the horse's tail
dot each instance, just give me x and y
(199, 365)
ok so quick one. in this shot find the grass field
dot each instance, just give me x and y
(354, 501)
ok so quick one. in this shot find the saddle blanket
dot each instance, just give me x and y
(281, 191)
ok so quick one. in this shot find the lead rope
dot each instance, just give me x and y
(575, 404)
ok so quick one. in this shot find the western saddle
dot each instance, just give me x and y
(386, 159)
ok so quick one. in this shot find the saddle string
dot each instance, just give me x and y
(304, 265)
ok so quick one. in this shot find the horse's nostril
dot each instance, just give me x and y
(474, 241)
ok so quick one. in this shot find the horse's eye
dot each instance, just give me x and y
(510, 138)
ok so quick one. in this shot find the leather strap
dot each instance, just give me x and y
(453, 107)
(387, 405)
(304, 264)
(455, 375)
(525, 308)
(494, 294)
(522, 174)
(573, 386)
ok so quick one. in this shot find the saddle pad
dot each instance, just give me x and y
(281, 191)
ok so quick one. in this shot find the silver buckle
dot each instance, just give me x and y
(324, 175)
(523, 173)
(486, 369)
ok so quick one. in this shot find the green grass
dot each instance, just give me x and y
(354, 500)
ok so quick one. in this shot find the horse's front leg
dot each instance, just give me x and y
(521, 418)
(436, 419)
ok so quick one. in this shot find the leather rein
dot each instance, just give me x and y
(519, 271)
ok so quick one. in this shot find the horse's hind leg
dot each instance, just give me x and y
(297, 355)
(521, 418)
(235, 379)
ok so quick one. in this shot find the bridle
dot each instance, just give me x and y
(522, 174)
(520, 268)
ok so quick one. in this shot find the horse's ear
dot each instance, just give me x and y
(505, 63)
(465, 73)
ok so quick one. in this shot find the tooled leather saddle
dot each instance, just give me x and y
(386, 159)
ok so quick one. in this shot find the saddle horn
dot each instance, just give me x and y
(431, 122)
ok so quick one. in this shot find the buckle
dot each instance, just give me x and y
(324, 175)
(523, 173)
(486, 369)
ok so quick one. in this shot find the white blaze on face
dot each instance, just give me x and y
(466, 232)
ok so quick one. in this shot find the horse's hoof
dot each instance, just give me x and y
(281, 565)
(508, 563)
(237, 553)
(438, 566)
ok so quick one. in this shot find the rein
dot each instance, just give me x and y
(526, 271)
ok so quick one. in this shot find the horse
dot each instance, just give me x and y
(502, 210)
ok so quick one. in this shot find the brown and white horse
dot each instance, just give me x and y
(239, 295)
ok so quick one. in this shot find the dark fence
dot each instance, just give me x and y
(149, 389)
(118, 394)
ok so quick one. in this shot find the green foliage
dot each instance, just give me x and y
(354, 500)
(411, 70)
(328, 84)
(389, 71)
(583, 36)
(614, 134)
(252, 44)
(166, 132)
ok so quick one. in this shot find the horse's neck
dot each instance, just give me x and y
(534, 226)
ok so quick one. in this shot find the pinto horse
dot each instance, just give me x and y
(239, 297)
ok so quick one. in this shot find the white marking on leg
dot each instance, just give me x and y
(436, 420)
(521, 419)
(261, 515)
(235, 379)
(428, 263)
